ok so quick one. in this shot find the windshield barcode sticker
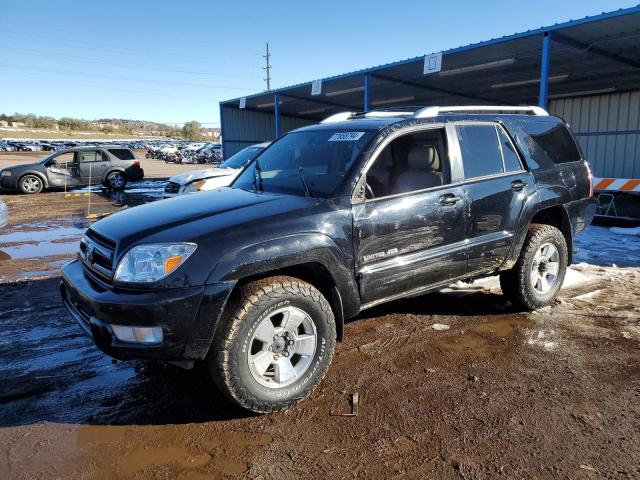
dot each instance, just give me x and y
(346, 136)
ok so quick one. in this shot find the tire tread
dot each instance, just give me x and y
(258, 295)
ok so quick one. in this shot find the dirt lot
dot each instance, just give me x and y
(549, 394)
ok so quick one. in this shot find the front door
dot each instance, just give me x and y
(410, 231)
(63, 171)
(497, 187)
(93, 165)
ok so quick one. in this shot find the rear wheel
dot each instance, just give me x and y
(30, 184)
(275, 346)
(537, 276)
(116, 181)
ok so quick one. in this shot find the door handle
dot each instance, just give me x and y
(518, 185)
(449, 199)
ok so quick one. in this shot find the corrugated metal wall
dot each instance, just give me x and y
(242, 128)
(608, 130)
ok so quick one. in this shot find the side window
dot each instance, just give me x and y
(409, 163)
(511, 160)
(480, 150)
(64, 159)
(122, 153)
(90, 156)
(554, 140)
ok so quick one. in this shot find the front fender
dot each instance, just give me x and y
(290, 251)
(42, 176)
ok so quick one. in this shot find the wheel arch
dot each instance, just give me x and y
(545, 206)
(40, 175)
(314, 273)
(111, 170)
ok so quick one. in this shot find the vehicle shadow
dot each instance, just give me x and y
(52, 373)
(466, 301)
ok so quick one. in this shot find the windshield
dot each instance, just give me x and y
(315, 159)
(241, 158)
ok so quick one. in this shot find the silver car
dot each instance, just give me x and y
(212, 178)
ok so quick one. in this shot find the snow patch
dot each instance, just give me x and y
(542, 339)
(608, 246)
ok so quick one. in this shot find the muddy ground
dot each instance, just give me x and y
(549, 394)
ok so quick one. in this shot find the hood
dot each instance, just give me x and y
(193, 217)
(188, 177)
(17, 169)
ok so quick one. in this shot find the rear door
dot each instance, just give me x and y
(409, 232)
(93, 165)
(497, 186)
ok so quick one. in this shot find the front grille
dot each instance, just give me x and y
(96, 253)
(172, 187)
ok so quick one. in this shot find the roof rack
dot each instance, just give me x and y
(429, 112)
(339, 117)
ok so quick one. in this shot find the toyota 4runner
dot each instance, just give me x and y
(257, 279)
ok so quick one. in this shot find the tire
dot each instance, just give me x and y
(30, 184)
(116, 181)
(256, 374)
(536, 278)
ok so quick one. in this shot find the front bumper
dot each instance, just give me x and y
(10, 183)
(187, 316)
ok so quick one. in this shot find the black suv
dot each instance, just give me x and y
(363, 208)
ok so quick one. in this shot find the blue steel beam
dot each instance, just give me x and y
(222, 127)
(276, 112)
(367, 91)
(544, 70)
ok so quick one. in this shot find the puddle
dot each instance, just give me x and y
(39, 250)
(486, 338)
(52, 233)
(41, 239)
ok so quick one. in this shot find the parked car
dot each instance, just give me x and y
(332, 219)
(4, 214)
(211, 178)
(112, 166)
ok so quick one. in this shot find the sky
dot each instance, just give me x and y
(174, 62)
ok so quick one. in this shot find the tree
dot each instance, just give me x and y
(192, 130)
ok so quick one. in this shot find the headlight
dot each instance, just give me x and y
(193, 187)
(5, 173)
(152, 262)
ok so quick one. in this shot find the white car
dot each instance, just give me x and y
(212, 178)
(4, 214)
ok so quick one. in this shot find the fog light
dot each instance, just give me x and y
(138, 334)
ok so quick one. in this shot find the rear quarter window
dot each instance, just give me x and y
(122, 153)
(552, 140)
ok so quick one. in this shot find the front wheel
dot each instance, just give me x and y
(30, 184)
(537, 276)
(275, 346)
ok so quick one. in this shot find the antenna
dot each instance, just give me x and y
(267, 68)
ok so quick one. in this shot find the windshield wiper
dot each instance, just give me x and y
(257, 177)
(302, 179)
